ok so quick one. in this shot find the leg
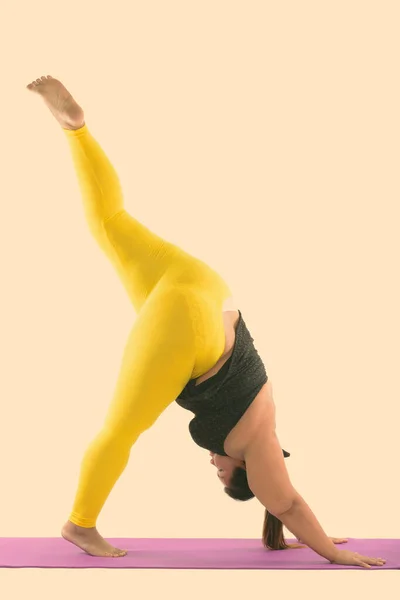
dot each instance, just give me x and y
(158, 361)
(140, 257)
(160, 356)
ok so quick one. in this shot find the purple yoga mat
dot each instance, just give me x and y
(201, 553)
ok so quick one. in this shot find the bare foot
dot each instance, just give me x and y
(90, 541)
(67, 112)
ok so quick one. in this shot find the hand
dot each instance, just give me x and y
(339, 540)
(345, 557)
(334, 540)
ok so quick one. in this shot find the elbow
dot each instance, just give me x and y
(279, 510)
(282, 506)
(277, 499)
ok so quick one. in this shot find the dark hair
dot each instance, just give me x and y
(272, 533)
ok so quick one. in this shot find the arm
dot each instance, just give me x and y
(301, 521)
(269, 481)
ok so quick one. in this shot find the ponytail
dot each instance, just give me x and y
(272, 535)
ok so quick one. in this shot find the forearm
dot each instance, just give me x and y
(301, 521)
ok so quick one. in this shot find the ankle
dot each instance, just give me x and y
(73, 528)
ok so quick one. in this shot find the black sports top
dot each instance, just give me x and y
(219, 402)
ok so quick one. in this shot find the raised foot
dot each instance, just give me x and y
(60, 102)
(90, 541)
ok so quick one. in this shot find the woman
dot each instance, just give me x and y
(189, 344)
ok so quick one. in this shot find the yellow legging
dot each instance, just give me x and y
(178, 333)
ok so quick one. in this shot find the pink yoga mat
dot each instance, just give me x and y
(201, 553)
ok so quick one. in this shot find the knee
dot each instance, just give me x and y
(121, 436)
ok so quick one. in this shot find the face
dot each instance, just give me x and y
(225, 466)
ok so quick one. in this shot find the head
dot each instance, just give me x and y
(232, 474)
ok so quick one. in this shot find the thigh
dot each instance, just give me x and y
(142, 257)
(158, 362)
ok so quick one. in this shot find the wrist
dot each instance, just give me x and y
(335, 553)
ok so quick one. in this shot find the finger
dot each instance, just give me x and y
(379, 562)
(372, 561)
(365, 565)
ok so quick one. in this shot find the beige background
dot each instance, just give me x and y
(262, 137)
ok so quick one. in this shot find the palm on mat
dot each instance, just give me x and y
(334, 540)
